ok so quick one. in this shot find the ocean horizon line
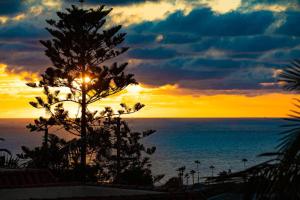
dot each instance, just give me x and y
(1, 118)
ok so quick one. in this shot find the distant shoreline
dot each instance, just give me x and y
(180, 118)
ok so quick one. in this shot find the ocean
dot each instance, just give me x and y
(222, 143)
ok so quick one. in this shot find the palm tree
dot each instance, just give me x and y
(244, 160)
(289, 79)
(187, 176)
(192, 172)
(283, 175)
(181, 173)
(198, 173)
(212, 170)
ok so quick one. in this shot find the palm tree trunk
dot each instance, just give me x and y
(181, 178)
(198, 178)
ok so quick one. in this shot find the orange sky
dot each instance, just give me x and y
(167, 100)
(164, 101)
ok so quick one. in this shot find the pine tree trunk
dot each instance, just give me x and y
(83, 128)
(46, 138)
(45, 146)
(118, 134)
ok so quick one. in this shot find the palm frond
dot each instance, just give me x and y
(290, 77)
(289, 145)
(6, 151)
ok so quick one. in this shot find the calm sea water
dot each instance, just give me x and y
(219, 142)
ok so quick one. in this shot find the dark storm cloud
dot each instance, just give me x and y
(270, 2)
(19, 47)
(166, 38)
(11, 7)
(28, 55)
(286, 55)
(250, 82)
(155, 53)
(180, 38)
(291, 26)
(235, 50)
(247, 43)
(133, 39)
(204, 22)
(202, 50)
(244, 55)
(22, 31)
(117, 2)
(34, 61)
(189, 70)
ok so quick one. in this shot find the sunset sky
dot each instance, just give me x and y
(192, 58)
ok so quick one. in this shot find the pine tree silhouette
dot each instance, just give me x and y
(81, 51)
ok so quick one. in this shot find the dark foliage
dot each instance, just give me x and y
(82, 50)
(174, 183)
(7, 160)
(4, 150)
(52, 157)
(136, 176)
(278, 178)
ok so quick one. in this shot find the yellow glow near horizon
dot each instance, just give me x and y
(161, 102)
(134, 89)
(15, 95)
